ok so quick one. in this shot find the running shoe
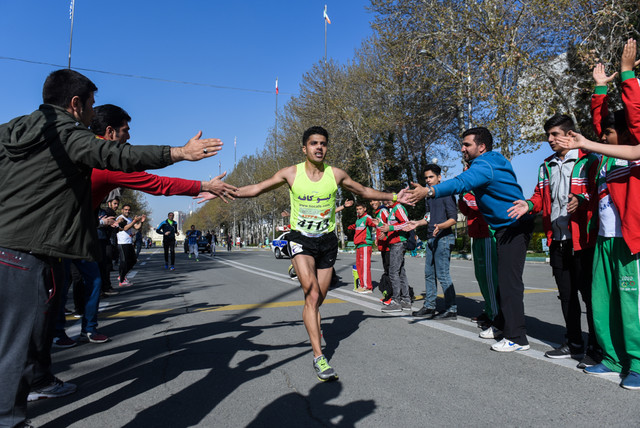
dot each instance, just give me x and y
(391, 307)
(63, 341)
(55, 389)
(94, 337)
(323, 369)
(631, 381)
(406, 305)
(505, 345)
(601, 370)
(172, 268)
(490, 333)
(565, 351)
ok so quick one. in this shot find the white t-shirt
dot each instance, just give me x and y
(125, 236)
(609, 217)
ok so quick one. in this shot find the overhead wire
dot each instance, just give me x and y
(135, 76)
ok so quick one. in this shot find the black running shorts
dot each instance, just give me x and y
(323, 249)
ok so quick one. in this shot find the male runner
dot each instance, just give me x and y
(313, 247)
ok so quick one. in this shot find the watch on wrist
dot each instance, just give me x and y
(431, 193)
(395, 197)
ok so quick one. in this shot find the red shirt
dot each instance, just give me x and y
(104, 181)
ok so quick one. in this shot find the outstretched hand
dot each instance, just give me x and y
(219, 189)
(572, 140)
(600, 76)
(197, 148)
(409, 196)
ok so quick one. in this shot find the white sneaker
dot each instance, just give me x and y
(506, 345)
(490, 333)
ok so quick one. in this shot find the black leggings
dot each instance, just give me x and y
(169, 247)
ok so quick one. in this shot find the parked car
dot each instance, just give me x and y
(280, 246)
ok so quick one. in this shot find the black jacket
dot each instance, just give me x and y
(46, 160)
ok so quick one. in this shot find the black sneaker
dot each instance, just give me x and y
(424, 312)
(565, 351)
(483, 318)
(446, 315)
(591, 358)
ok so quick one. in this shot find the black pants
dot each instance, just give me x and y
(573, 274)
(511, 246)
(169, 247)
(105, 264)
(127, 259)
(385, 282)
(28, 286)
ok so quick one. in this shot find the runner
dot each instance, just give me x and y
(313, 247)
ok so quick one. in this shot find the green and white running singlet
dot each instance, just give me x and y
(313, 204)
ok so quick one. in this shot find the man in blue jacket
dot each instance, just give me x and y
(494, 183)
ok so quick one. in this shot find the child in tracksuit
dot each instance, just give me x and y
(364, 238)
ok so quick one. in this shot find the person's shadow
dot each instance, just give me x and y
(298, 410)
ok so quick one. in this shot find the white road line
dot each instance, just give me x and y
(369, 301)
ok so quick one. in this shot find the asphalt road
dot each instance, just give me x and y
(220, 343)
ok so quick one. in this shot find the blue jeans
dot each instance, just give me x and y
(436, 265)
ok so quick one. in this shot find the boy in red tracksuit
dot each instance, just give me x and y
(384, 285)
(363, 240)
(565, 194)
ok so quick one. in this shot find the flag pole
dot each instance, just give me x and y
(276, 125)
(326, 21)
(72, 12)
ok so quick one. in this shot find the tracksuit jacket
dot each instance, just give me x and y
(624, 184)
(584, 221)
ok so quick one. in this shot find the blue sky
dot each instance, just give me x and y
(232, 44)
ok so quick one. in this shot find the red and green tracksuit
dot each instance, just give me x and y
(363, 240)
(483, 249)
(616, 268)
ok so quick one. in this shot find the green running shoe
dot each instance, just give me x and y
(323, 370)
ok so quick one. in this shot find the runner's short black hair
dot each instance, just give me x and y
(313, 131)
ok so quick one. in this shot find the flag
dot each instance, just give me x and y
(276, 86)
(326, 17)
(71, 10)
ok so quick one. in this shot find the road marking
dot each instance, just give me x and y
(346, 295)
(149, 312)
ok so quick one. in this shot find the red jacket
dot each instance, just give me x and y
(104, 181)
(583, 224)
(477, 227)
(364, 236)
(624, 186)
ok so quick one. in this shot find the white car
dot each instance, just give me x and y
(279, 246)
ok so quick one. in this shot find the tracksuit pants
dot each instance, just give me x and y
(363, 266)
(615, 301)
